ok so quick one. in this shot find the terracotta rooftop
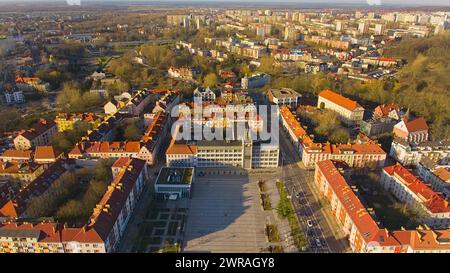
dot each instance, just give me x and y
(415, 125)
(339, 100)
(432, 200)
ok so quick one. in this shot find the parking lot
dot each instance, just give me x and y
(225, 215)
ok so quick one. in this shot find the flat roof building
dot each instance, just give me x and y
(175, 181)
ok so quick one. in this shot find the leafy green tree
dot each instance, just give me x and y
(210, 80)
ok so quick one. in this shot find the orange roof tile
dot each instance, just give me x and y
(339, 100)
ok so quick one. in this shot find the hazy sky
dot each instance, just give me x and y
(410, 2)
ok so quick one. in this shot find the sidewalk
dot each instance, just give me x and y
(284, 228)
(338, 234)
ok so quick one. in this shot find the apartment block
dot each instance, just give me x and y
(357, 221)
(416, 193)
(40, 134)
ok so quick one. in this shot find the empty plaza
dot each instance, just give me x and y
(225, 216)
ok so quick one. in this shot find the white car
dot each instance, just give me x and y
(318, 243)
(309, 223)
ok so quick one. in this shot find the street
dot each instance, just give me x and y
(298, 183)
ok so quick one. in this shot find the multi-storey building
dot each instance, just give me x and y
(413, 191)
(415, 130)
(39, 135)
(284, 96)
(350, 111)
(255, 81)
(359, 155)
(146, 149)
(363, 232)
(16, 206)
(128, 103)
(102, 233)
(437, 175)
(206, 95)
(240, 152)
(184, 73)
(411, 153)
(21, 171)
(67, 121)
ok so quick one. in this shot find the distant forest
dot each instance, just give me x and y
(424, 84)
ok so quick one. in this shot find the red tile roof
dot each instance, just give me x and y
(432, 200)
(418, 124)
(339, 100)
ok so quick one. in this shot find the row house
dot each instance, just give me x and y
(39, 155)
(358, 222)
(437, 175)
(21, 171)
(367, 155)
(103, 232)
(16, 206)
(416, 193)
(67, 121)
(147, 148)
(127, 103)
(358, 155)
(40, 134)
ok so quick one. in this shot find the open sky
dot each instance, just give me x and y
(387, 2)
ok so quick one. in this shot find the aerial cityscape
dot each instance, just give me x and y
(215, 127)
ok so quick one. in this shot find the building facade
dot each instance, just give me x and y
(350, 111)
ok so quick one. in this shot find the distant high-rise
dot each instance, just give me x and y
(363, 27)
(379, 29)
(339, 26)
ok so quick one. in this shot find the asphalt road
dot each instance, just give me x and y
(311, 218)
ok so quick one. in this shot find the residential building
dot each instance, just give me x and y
(389, 110)
(358, 223)
(374, 128)
(255, 81)
(101, 234)
(411, 153)
(39, 135)
(437, 175)
(128, 103)
(415, 130)
(25, 171)
(20, 156)
(16, 206)
(368, 155)
(14, 97)
(145, 149)
(416, 193)
(67, 121)
(183, 73)
(350, 111)
(46, 155)
(206, 94)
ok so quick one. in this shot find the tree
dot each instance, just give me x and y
(132, 132)
(210, 80)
